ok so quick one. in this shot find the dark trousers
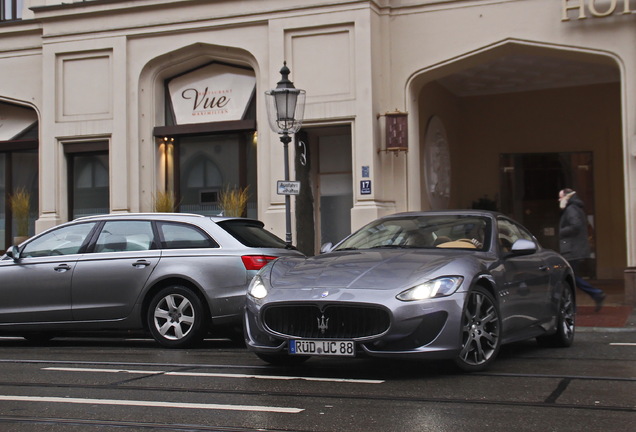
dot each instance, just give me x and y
(584, 285)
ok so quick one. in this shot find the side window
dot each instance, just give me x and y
(182, 236)
(509, 233)
(63, 241)
(526, 235)
(124, 236)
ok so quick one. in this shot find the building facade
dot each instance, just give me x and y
(411, 105)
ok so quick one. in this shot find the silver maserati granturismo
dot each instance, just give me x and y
(432, 285)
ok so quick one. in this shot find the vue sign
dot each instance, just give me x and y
(213, 93)
(597, 8)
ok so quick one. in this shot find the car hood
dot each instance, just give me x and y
(368, 269)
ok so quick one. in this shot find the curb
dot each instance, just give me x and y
(630, 326)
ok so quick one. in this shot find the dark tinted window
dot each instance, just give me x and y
(182, 236)
(251, 234)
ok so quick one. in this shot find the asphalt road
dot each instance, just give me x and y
(86, 384)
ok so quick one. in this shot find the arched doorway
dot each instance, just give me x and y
(207, 146)
(513, 115)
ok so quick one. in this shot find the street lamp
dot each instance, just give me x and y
(285, 109)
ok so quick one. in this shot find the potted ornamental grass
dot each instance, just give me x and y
(20, 203)
(233, 202)
(164, 202)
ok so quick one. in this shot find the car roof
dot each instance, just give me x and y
(460, 212)
(139, 215)
(162, 216)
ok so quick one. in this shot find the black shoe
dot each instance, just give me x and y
(599, 302)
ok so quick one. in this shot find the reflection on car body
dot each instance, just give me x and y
(176, 275)
(451, 285)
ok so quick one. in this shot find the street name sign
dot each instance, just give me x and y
(288, 187)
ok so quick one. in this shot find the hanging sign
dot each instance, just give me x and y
(397, 131)
(212, 93)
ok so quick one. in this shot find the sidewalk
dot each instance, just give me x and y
(614, 314)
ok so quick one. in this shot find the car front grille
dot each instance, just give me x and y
(327, 321)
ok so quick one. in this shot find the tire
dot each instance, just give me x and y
(481, 331)
(176, 317)
(566, 319)
(282, 359)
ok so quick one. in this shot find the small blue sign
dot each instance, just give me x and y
(365, 187)
(365, 171)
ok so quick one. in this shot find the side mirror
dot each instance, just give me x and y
(327, 247)
(523, 247)
(14, 253)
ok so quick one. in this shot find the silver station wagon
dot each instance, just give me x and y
(177, 276)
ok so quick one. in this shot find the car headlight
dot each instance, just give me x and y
(439, 287)
(257, 288)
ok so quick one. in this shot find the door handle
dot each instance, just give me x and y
(62, 268)
(141, 263)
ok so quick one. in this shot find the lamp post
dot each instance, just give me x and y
(285, 109)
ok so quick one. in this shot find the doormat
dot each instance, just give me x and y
(609, 316)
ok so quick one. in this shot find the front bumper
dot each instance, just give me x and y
(423, 329)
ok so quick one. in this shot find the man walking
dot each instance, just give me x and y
(573, 242)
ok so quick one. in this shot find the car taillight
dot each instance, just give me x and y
(256, 262)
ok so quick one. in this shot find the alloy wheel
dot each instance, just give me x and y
(567, 314)
(480, 331)
(565, 320)
(174, 317)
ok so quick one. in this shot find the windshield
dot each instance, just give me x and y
(429, 231)
(251, 233)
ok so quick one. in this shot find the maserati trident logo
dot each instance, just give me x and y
(323, 324)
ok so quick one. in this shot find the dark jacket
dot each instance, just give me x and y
(573, 242)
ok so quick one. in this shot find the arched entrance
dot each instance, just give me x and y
(210, 122)
(204, 129)
(523, 121)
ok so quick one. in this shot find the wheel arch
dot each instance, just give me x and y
(164, 283)
(488, 283)
(569, 280)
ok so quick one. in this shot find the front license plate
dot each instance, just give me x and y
(322, 348)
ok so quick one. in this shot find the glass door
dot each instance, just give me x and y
(24, 179)
(335, 181)
(323, 165)
(211, 165)
(18, 176)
